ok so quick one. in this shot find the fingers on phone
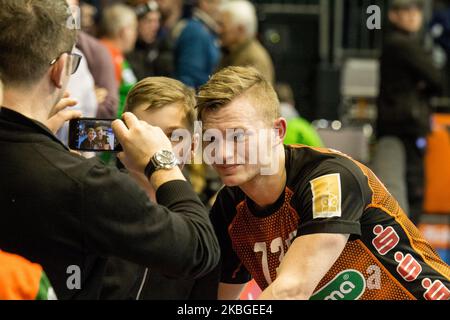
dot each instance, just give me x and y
(130, 119)
(120, 130)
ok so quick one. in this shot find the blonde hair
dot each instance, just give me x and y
(116, 17)
(232, 82)
(158, 92)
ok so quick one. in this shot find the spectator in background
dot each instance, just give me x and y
(408, 81)
(171, 14)
(119, 30)
(101, 66)
(101, 69)
(299, 130)
(440, 32)
(238, 29)
(196, 48)
(152, 55)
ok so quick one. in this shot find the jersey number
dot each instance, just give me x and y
(276, 246)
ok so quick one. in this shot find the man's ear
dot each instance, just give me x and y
(57, 71)
(280, 126)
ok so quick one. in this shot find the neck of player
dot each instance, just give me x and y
(265, 190)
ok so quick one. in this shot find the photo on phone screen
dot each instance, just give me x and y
(92, 135)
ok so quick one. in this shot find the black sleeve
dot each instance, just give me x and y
(333, 199)
(175, 238)
(222, 213)
(415, 56)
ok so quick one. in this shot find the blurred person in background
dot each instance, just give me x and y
(238, 29)
(440, 32)
(171, 14)
(101, 67)
(196, 49)
(408, 81)
(152, 55)
(119, 29)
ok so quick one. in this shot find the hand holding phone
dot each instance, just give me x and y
(140, 141)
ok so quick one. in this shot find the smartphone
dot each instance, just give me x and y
(93, 135)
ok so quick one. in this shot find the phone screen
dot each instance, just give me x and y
(93, 135)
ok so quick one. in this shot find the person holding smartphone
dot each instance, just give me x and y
(70, 214)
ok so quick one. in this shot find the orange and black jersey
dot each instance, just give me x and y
(327, 192)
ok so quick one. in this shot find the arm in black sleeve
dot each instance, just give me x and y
(416, 57)
(222, 213)
(175, 238)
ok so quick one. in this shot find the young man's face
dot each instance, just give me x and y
(91, 135)
(410, 20)
(99, 132)
(240, 159)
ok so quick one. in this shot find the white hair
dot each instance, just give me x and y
(116, 17)
(242, 13)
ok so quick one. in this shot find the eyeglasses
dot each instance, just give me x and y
(76, 59)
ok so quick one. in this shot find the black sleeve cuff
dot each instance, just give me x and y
(334, 227)
(175, 191)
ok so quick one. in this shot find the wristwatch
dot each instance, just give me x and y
(162, 160)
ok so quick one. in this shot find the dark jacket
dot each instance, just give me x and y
(408, 80)
(128, 281)
(197, 52)
(60, 210)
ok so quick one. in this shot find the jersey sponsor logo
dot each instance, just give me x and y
(386, 239)
(327, 196)
(435, 290)
(408, 267)
(347, 285)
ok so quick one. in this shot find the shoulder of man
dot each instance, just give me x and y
(325, 168)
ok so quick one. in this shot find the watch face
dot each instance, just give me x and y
(165, 158)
